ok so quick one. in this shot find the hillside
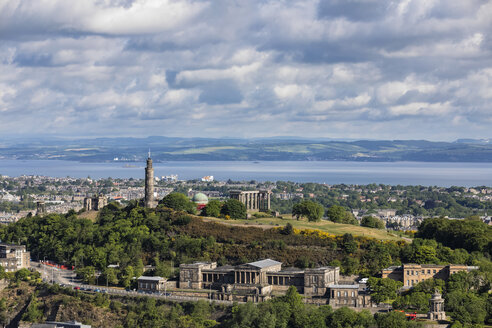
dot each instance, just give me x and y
(230, 149)
(323, 226)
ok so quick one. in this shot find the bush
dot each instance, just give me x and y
(234, 209)
(372, 222)
(339, 214)
(179, 202)
(212, 209)
(307, 208)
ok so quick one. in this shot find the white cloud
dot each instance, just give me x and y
(361, 68)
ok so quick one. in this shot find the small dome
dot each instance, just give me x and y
(200, 198)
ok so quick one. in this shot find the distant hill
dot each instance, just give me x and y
(234, 149)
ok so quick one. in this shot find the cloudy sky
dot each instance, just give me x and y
(408, 69)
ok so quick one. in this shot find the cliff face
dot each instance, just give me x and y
(55, 304)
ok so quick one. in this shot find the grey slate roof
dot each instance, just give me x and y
(344, 286)
(150, 278)
(264, 263)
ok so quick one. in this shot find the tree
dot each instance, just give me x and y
(234, 209)
(383, 289)
(110, 276)
(338, 214)
(372, 222)
(344, 318)
(179, 202)
(307, 208)
(349, 244)
(467, 307)
(212, 209)
(87, 274)
(391, 320)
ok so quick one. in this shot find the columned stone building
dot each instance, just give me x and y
(258, 281)
(436, 307)
(256, 200)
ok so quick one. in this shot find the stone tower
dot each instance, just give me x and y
(437, 307)
(149, 184)
(40, 208)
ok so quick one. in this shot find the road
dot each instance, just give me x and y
(67, 278)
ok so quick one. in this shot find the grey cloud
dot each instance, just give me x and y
(356, 10)
(292, 66)
(221, 93)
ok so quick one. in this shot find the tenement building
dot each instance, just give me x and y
(256, 200)
(412, 274)
(259, 281)
(14, 257)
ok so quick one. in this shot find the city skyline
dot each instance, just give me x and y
(360, 69)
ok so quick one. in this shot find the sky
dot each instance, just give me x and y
(360, 69)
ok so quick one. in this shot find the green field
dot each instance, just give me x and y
(325, 226)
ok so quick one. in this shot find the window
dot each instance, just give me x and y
(428, 271)
(338, 294)
(408, 282)
(412, 282)
(434, 271)
(408, 272)
(353, 294)
(346, 294)
(412, 272)
(423, 271)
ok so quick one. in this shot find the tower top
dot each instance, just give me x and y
(149, 152)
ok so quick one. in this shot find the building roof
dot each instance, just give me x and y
(264, 263)
(224, 268)
(356, 286)
(200, 198)
(151, 278)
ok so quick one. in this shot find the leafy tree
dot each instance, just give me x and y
(338, 214)
(343, 318)
(391, 320)
(372, 222)
(87, 274)
(110, 276)
(383, 289)
(307, 208)
(212, 208)
(349, 244)
(234, 209)
(467, 308)
(178, 202)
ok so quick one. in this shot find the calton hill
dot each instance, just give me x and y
(121, 243)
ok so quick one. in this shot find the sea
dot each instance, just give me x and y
(329, 172)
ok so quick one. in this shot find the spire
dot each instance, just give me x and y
(149, 152)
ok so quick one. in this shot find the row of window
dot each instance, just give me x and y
(416, 272)
(339, 294)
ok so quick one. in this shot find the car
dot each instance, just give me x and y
(97, 290)
(363, 281)
(76, 288)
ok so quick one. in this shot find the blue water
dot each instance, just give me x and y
(331, 172)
